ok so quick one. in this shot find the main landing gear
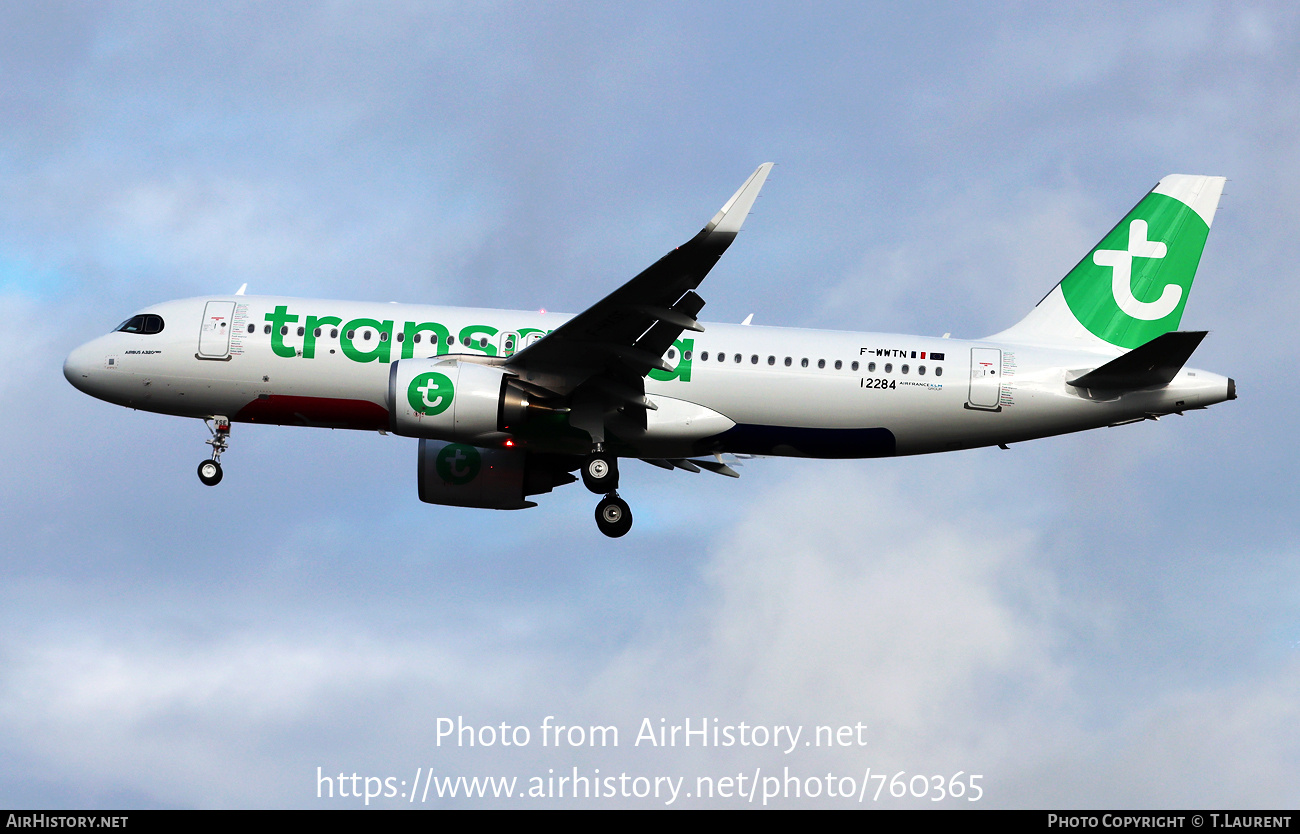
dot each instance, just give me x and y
(613, 516)
(600, 472)
(210, 470)
(600, 475)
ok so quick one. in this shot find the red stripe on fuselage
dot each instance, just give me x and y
(314, 411)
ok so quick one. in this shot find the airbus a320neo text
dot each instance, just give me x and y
(507, 404)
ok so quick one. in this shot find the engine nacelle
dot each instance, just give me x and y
(450, 399)
(461, 475)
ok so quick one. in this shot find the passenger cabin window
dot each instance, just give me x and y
(146, 325)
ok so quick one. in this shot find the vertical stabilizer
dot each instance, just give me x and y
(1133, 285)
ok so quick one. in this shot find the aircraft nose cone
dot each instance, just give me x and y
(79, 366)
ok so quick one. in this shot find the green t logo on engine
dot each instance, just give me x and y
(458, 463)
(430, 393)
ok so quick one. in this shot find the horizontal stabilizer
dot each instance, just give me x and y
(1150, 366)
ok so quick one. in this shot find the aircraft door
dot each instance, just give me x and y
(985, 379)
(214, 336)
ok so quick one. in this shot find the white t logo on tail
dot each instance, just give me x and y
(1121, 284)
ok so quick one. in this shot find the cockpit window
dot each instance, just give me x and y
(141, 324)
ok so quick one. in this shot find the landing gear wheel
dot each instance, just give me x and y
(600, 473)
(613, 516)
(210, 472)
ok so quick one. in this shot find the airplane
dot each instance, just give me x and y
(507, 405)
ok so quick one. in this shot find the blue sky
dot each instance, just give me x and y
(1106, 619)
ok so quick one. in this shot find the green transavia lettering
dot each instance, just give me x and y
(371, 340)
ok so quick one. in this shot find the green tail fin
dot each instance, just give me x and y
(1133, 285)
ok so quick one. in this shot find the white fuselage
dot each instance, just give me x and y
(743, 389)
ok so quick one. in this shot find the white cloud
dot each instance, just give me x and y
(903, 599)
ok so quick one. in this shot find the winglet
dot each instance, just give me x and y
(733, 213)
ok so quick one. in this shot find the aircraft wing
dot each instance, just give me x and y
(614, 343)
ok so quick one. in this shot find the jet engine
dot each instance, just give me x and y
(461, 475)
(450, 399)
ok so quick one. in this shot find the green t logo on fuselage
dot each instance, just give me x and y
(1133, 286)
(458, 463)
(430, 393)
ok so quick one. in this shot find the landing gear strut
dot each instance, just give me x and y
(613, 516)
(210, 470)
(600, 475)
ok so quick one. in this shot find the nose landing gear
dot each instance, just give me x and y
(210, 470)
(613, 516)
